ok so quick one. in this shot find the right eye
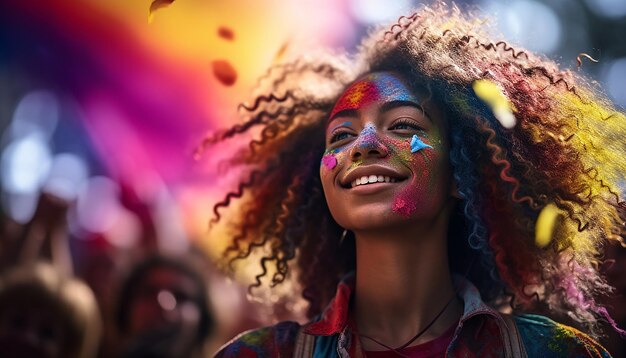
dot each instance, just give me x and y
(339, 136)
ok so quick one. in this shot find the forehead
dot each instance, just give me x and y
(374, 87)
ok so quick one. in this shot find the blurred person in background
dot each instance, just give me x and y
(44, 310)
(162, 309)
(46, 314)
(415, 186)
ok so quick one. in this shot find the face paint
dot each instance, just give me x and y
(417, 144)
(376, 87)
(367, 138)
(408, 142)
(405, 203)
(329, 161)
(409, 200)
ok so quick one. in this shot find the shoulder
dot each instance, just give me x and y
(546, 338)
(271, 341)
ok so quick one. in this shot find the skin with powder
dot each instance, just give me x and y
(435, 148)
(390, 183)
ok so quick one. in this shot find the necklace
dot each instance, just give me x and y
(397, 350)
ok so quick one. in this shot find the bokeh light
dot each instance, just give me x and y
(377, 11)
(25, 164)
(608, 8)
(614, 77)
(67, 174)
(529, 23)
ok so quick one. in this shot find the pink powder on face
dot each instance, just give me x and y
(404, 204)
(329, 161)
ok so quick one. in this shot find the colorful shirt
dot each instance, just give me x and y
(479, 332)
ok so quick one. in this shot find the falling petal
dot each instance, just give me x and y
(226, 33)
(417, 144)
(224, 72)
(492, 95)
(281, 51)
(157, 4)
(544, 228)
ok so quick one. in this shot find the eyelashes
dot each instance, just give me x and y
(401, 126)
(407, 124)
(340, 135)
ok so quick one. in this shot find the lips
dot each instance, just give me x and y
(371, 174)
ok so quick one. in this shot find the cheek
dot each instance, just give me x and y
(329, 162)
(422, 193)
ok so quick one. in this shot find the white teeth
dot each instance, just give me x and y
(372, 179)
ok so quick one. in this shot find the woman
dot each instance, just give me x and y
(454, 171)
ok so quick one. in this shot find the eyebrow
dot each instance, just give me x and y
(344, 113)
(401, 103)
(384, 108)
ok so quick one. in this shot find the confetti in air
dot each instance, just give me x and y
(224, 72)
(544, 228)
(226, 33)
(579, 61)
(492, 95)
(417, 144)
(281, 51)
(156, 5)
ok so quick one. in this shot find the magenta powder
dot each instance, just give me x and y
(329, 161)
(404, 205)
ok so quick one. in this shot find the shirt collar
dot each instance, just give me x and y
(334, 319)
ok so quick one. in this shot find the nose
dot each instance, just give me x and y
(368, 145)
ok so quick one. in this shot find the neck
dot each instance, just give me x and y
(402, 282)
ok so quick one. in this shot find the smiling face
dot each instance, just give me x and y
(386, 160)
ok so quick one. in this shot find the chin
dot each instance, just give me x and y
(372, 218)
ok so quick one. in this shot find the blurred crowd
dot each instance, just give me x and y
(110, 303)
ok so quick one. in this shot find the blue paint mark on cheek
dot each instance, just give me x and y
(417, 144)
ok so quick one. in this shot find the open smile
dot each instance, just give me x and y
(371, 175)
(365, 180)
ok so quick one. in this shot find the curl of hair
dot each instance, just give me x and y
(566, 149)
